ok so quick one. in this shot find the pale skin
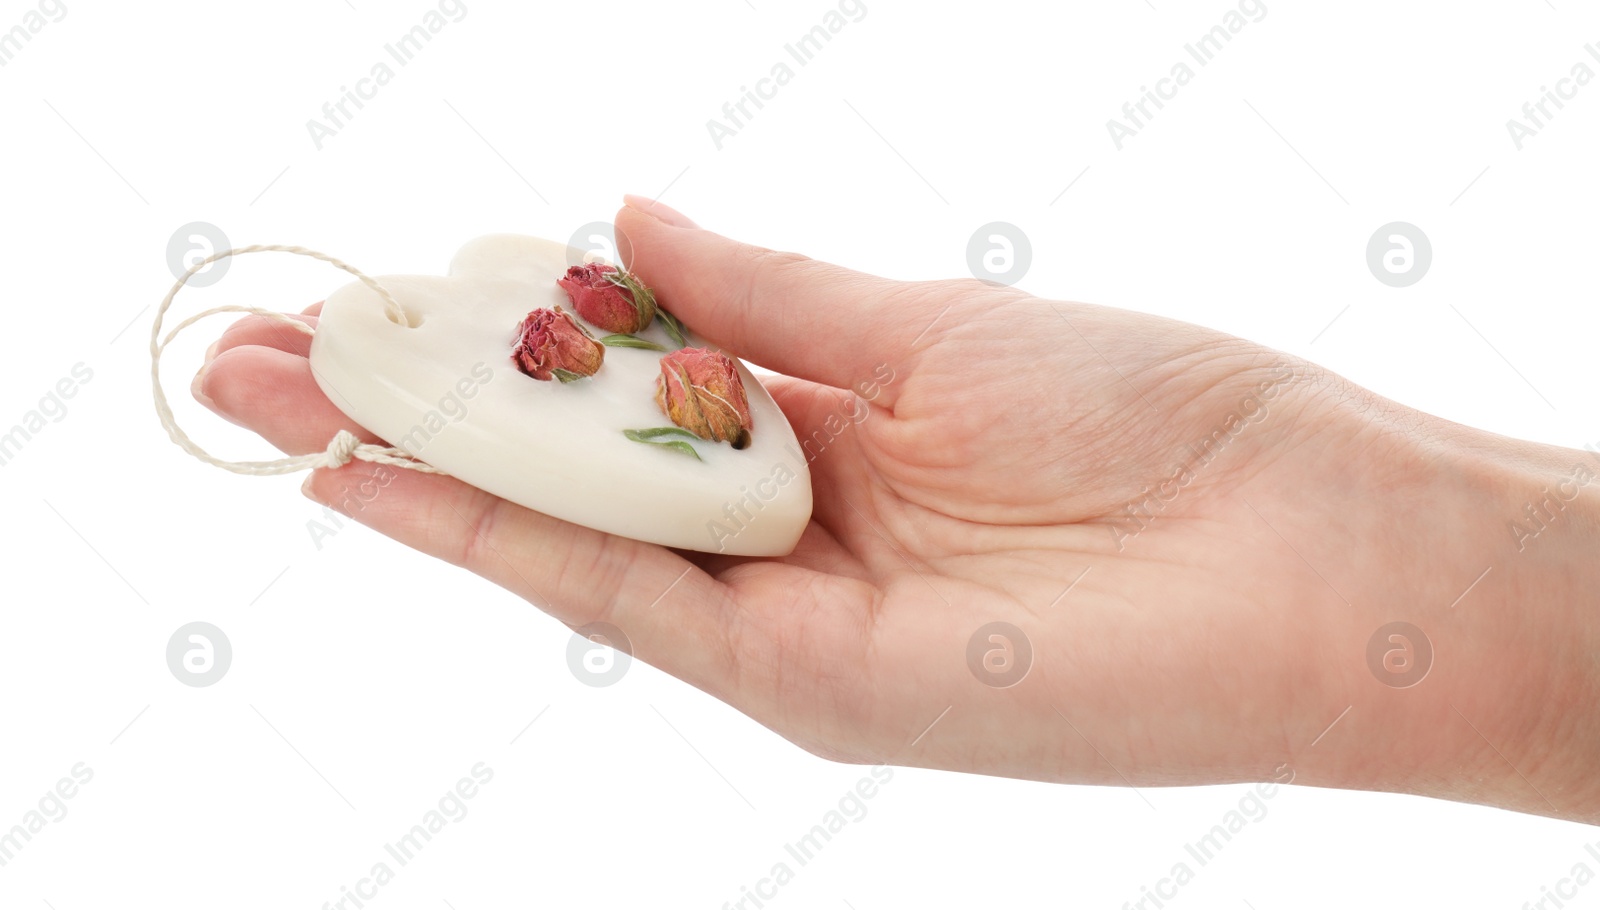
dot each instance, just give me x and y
(1217, 632)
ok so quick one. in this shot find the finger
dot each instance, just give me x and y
(791, 314)
(828, 425)
(313, 310)
(259, 330)
(272, 392)
(674, 616)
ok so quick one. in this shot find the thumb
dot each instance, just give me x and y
(784, 311)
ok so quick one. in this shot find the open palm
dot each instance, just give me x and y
(1123, 493)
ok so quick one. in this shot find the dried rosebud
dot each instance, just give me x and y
(550, 345)
(609, 297)
(702, 392)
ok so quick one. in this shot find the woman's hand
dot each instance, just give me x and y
(1196, 539)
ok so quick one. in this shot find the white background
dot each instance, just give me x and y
(367, 679)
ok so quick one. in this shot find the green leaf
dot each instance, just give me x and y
(630, 341)
(654, 432)
(672, 325)
(648, 437)
(680, 446)
(565, 375)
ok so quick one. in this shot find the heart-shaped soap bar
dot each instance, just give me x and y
(445, 390)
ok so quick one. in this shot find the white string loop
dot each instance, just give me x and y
(345, 445)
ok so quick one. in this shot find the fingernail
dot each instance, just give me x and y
(197, 385)
(659, 211)
(305, 488)
(211, 352)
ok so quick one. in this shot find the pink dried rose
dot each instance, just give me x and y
(609, 297)
(550, 345)
(701, 391)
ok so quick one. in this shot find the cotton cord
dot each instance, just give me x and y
(345, 445)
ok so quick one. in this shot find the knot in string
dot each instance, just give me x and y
(342, 448)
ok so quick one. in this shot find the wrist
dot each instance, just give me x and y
(1537, 626)
(1489, 549)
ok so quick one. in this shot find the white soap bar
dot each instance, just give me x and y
(446, 391)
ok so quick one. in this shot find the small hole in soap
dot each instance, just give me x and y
(405, 320)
